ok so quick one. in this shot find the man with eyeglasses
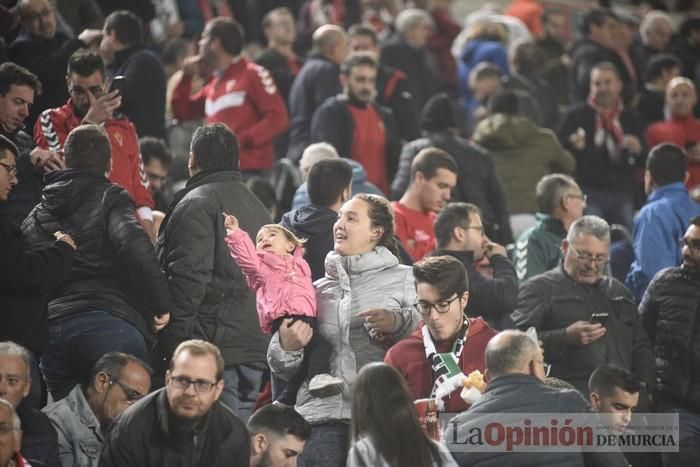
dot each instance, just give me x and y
(10, 435)
(663, 219)
(583, 318)
(560, 202)
(447, 345)
(516, 385)
(81, 418)
(460, 233)
(184, 423)
(670, 314)
(91, 103)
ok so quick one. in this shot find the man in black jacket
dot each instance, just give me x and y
(115, 293)
(317, 81)
(459, 232)
(143, 93)
(517, 389)
(477, 182)
(355, 126)
(211, 297)
(183, 423)
(670, 315)
(329, 186)
(583, 318)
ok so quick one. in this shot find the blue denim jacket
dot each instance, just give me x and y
(79, 432)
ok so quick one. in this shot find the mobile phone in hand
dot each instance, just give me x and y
(599, 317)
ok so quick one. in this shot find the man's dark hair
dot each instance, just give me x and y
(550, 190)
(429, 160)
(609, 66)
(597, 17)
(549, 12)
(13, 74)
(279, 421)
(362, 30)
(446, 273)
(126, 26)
(87, 148)
(358, 59)
(84, 63)
(229, 33)
(267, 19)
(666, 164)
(606, 378)
(113, 364)
(326, 181)
(154, 148)
(173, 49)
(658, 63)
(485, 70)
(7, 145)
(695, 221)
(690, 24)
(526, 57)
(214, 146)
(451, 216)
(504, 102)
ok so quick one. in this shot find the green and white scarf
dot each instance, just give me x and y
(448, 375)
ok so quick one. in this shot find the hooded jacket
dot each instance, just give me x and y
(315, 224)
(352, 284)
(115, 268)
(523, 153)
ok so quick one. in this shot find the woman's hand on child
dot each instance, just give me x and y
(230, 222)
(294, 335)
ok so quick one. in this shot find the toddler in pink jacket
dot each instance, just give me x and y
(276, 270)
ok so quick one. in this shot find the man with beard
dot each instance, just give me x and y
(183, 423)
(277, 436)
(669, 313)
(605, 138)
(357, 127)
(90, 103)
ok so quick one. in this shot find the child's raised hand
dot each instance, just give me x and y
(230, 222)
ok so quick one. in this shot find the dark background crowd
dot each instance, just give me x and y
(455, 181)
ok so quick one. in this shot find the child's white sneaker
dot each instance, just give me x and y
(325, 385)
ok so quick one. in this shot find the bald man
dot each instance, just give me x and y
(516, 373)
(681, 128)
(317, 81)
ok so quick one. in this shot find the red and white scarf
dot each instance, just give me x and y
(608, 130)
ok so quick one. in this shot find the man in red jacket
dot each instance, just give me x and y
(447, 346)
(241, 94)
(91, 104)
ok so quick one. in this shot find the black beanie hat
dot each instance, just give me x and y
(438, 114)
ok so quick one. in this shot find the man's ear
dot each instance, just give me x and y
(464, 299)
(564, 247)
(343, 80)
(102, 382)
(594, 398)
(458, 233)
(192, 165)
(258, 443)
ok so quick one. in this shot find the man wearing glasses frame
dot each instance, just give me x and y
(80, 419)
(447, 344)
(585, 319)
(183, 423)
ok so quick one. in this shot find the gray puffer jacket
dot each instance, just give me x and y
(352, 284)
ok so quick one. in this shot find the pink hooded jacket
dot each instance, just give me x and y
(282, 284)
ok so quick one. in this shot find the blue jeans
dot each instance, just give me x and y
(241, 388)
(616, 207)
(327, 446)
(78, 341)
(689, 444)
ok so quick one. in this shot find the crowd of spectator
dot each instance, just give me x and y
(272, 233)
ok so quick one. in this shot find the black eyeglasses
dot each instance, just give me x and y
(132, 395)
(693, 245)
(183, 382)
(11, 169)
(443, 306)
(588, 258)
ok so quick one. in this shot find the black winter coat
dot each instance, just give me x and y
(211, 298)
(25, 279)
(115, 267)
(315, 224)
(552, 301)
(39, 439)
(317, 81)
(477, 182)
(670, 313)
(148, 434)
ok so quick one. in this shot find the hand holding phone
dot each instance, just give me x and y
(599, 317)
(118, 84)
